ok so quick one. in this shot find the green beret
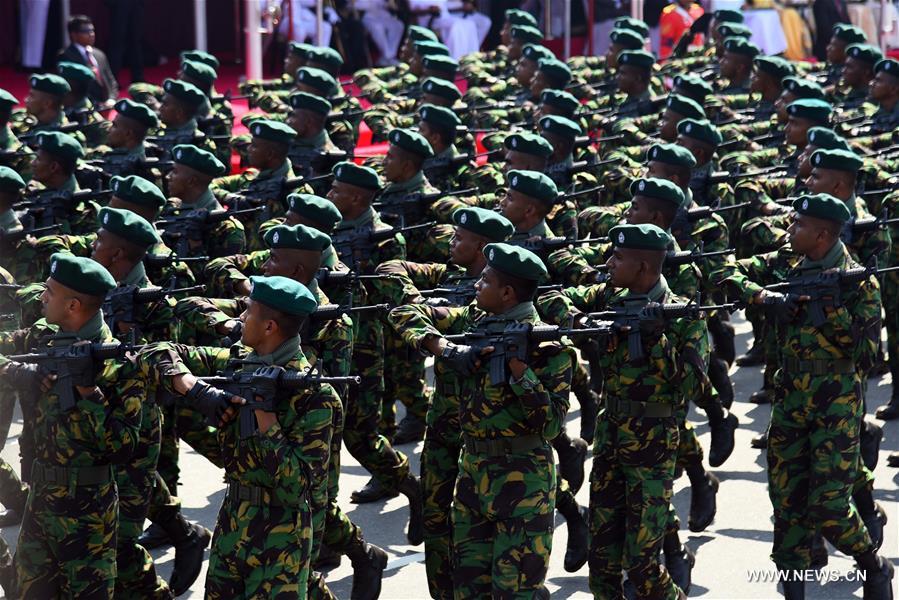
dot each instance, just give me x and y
(536, 53)
(353, 174)
(441, 87)
(692, 84)
(283, 294)
(273, 131)
(557, 71)
(826, 139)
(327, 56)
(299, 49)
(137, 190)
(417, 33)
(137, 111)
(803, 88)
(628, 39)
(811, 109)
(671, 154)
(849, 34)
(516, 16)
(865, 53)
(75, 72)
(440, 116)
(640, 237)
(822, 206)
(528, 143)
(735, 30)
(198, 160)
(533, 184)
(321, 81)
(199, 72)
(129, 226)
(411, 141)
(50, 84)
(315, 208)
(560, 126)
(428, 48)
(515, 261)
(60, 144)
(686, 107)
(10, 181)
(84, 275)
(201, 57)
(837, 160)
(185, 92)
(774, 66)
(741, 46)
(636, 58)
(487, 223)
(441, 64)
(701, 130)
(7, 100)
(727, 15)
(890, 66)
(633, 24)
(296, 237)
(662, 189)
(527, 34)
(560, 99)
(307, 101)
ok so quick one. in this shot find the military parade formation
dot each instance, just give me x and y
(539, 233)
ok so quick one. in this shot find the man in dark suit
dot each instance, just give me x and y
(81, 31)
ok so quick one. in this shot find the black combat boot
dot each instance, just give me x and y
(578, 534)
(723, 425)
(572, 453)
(368, 562)
(190, 541)
(372, 492)
(869, 443)
(703, 493)
(411, 489)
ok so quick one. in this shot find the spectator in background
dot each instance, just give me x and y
(458, 23)
(675, 21)
(301, 26)
(385, 29)
(33, 30)
(606, 11)
(126, 38)
(104, 90)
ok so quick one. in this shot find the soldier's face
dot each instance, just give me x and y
(465, 247)
(538, 84)
(253, 325)
(489, 291)
(836, 51)
(728, 65)
(179, 179)
(780, 105)
(803, 232)
(292, 64)
(515, 48)
(804, 167)
(258, 153)
(623, 267)
(37, 102)
(280, 262)
(42, 166)
(54, 302)
(822, 181)
(522, 161)
(118, 132)
(629, 78)
(341, 194)
(638, 213)
(169, 112)
(393, 164)
(505, 34)
(668, 125)
(796, 131)
(436, 100)
(104, 248)
(612, 55)
(524, 71)
(856, 72)
(514, 206)
(883, 87)
(757, 80)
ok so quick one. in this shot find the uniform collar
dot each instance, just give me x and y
(365, 218)
(137, 276)
(315, 141)
(657, 293)
(282, 355)
(279, 173)
(830, 260)
(416, 182)
(206, 201)
(520, 312)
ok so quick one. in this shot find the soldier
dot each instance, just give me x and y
(67, 545)
(352, 191)
(504, 496)
(269, 474)
(857, 75)
(43, 107)
(178, 113)
(842, 36)
(309, 150)
(819, 406)
(736, 65)
(438, 126)
(125, 150)
(12, 151)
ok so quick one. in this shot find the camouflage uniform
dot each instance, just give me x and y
(94, 127)
(10, 143)
(221, 239)
(503, 502)
(67, 541)
(813, 438)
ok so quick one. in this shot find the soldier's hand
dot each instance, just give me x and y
(23, 375)
(81, 364)
(211, 401)
(231, 410)
(242, 287)
(783, 307)
(464, 359)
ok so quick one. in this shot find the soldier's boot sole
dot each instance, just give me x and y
(759, 442)
(578, 548)
(875, 523)
(371, 492)
(703, 504)
(189, 554)
(893, 460)
(411, 489)
(680, 568)
(763, 396)
(154, 537)
(879, 585)
(869, 443)
(754, 357)
(723, 442)
(368, 574)
(571, 464)
(889, 411)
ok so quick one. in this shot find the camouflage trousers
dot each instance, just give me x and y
(135, 481)
(404, 380)
(630, 498)
(260, 552)
(439, 468)
(67, 544)
(363, 413)
(503, 524)
(13, 493)
(813, 458)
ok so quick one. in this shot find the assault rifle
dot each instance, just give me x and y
(49, 207)
(179, 230)
(120, 302)
(411, 206)
(549, 244)
(11, 237)
(361, 241)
